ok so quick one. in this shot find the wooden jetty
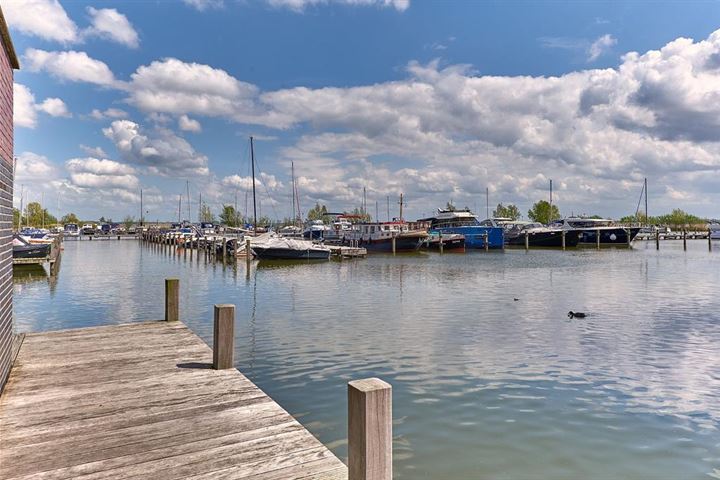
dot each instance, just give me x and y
(347, 252)
(151, 400)
(52, 258)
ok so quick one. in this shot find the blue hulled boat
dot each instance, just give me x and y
(466, 223)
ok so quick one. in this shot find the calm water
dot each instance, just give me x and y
(484, 386)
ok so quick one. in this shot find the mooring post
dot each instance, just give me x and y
(629, 239)
(224, 248)
(172, 299)
(248, 253)
(223, 336)
(563, 240)
(684, 239)
(657, 239)
(527, 241)
(487, 242)
(441, 242)
(393, 243)
(709, 240)
(369, 430)
(597, 238)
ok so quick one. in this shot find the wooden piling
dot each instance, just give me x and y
(369, 430)
(684, 239)
(709, 240)
(563, 240)
(248, 253)
(657, 239)
(224, 336)
(597, 238)
(628, 232)
(224, 248)
(527, 241)
(172, 299)
(487, 242)
(441, 242)
(393, 244)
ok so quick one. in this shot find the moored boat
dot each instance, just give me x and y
(380, 236)
(590, 228)
(539, 235)
(466, 223)
(22, 248)
(715, 231)
(281, 248)
(450, 241)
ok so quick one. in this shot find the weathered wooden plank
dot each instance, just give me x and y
(142, 401)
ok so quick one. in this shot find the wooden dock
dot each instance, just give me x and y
(142, 401)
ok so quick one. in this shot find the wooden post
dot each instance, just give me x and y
(628, 233)
(684, 239)
(369, 430)
(172, 299)
(441, 242)
(248, 253)
(709, 240)
(597, 238)
(224, 248)
(657, 239)
(563, 240)
(224, 336)
(487, 241)
(527, 241)
(393, 243)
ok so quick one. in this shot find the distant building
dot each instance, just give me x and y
(8, 63)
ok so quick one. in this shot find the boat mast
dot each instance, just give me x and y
(22, 197)
(179, 208)
(200, 209)
(187, 185)
(550, 214)
(292, 167)
(252, 161)
(646, 205)
(141, 208)
(487, 202)
(388, 207)
(401, 207)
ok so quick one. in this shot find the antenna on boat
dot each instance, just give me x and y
(252, 162)
(401, 207)
(550, 216)
(141, 208)
(487, 202)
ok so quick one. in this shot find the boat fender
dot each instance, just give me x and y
(613, 237)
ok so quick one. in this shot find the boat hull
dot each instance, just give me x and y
(31, 251)
(475, 235)
(455, 242)
(546, 239)
(609, 236)
(276, 253)
(402, 244)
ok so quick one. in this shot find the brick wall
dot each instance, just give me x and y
(6, 217)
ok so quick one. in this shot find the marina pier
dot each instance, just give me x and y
(151, 400)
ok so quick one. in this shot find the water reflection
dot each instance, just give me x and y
(484, 386)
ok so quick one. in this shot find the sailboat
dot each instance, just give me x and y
(272, 245)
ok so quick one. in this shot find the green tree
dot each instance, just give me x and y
(679, 217)
(230, 217)
(511, 211)
(16, 218)
(542, 212)
(128, 222)
(317, 212)
(37, 216)
(359, 215)
(206, 214)
(69, 218)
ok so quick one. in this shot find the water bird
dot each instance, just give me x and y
(572, 314)
(516, 299)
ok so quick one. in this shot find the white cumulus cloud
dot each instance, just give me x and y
(161, 152)
(46, 19)
(70, 65)
(24, 114)
(300, 5)
(600, 46)
(112, 25)
(54, 107)
(188, 124)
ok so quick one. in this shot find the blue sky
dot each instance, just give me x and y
(437, 100)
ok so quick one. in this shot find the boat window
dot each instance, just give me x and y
(372, 229)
